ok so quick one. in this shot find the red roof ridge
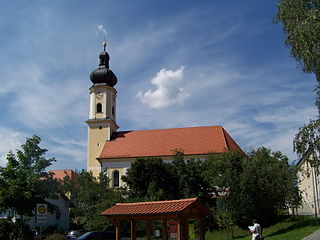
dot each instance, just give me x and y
(59, 170)
(159, 202)
(230, 143)
(224, 138)
(192, 141)
(164, 129)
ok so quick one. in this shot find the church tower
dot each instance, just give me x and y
(102, 111)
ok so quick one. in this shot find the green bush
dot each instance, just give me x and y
(56, 236)
(5, 228)
(18, 230)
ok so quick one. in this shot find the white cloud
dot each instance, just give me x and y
(10, 140)
(101, 29)
(39, 101)
(167, 91)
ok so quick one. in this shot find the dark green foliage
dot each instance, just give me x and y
(91, 196)
(192, 181)
(258, 185)
(5, 228)
(151, 179)
(301, 25)
(24, 181)
(224, 171)
(15, 231)
(266, 185)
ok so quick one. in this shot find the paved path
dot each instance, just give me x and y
(313, 236)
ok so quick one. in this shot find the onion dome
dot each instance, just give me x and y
(103, 75)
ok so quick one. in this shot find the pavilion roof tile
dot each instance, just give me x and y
(153, 208)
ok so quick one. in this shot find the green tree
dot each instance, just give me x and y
(24, 181)
(307, 143)
(267, 185)
(223, 172)
(145, 177)
(301, 25)
(191, 178)
(90, 196)
(257, 185)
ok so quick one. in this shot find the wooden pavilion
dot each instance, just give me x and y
(180, 211)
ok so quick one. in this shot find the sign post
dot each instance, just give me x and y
(41, 214)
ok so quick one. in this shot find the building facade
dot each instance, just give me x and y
(309, 187)
(113, 151)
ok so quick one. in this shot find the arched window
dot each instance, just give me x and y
(116, 179)
(99, 108)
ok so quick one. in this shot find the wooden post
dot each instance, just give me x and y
(164, 230)
(133, 229)
(185, 231)
(149, 229)
(182, 229)
(117, 224)
(179, 230)
(201, 229)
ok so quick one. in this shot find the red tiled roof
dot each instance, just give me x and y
(60, 174)
(155, 208)
(161, 142)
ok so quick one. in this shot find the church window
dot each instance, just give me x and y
(112, 110)
(116, 179)
(99, 108)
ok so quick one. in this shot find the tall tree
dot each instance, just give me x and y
(267, 184)
(301, 25)
(223, 172)
(257, 186)
(90, 196)
(24, 181)
(151, 179)
(191, 178)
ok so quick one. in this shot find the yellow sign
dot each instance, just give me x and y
(42, 209)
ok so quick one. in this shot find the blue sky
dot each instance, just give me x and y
(178, 63)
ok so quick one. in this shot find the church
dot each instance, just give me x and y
(112, 150)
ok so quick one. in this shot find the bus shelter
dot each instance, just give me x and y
(178, 211)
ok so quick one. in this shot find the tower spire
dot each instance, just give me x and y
(103, 75)
(104, 44)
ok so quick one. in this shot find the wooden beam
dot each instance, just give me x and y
(179, 230)
(149, 229)
(164, 229)
(133, 229)
(117, 224)
(183, 228)
(201, 229)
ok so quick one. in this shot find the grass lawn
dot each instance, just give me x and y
(289, 228)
